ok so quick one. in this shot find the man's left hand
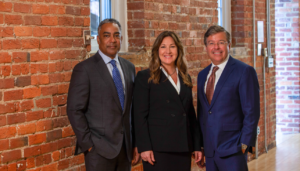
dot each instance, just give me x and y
(244, 148)
(136, 157)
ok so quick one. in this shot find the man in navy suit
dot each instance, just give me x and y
(228, 105)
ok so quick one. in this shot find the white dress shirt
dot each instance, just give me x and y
(218, 72)
(107, 60)
(176, 85)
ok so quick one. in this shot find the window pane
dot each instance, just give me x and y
(105, 9)
(220, 15)
(100, 10)
(95, 16)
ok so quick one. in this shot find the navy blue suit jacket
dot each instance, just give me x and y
(233, 115)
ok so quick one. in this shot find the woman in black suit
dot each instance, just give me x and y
(166, 128)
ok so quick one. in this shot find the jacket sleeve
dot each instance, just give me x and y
(250, 103)
(198, 117)
(141, 112)
(77, 104)
(195, 129)
(132, 118)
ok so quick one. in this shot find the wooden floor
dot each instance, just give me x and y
(284, 157)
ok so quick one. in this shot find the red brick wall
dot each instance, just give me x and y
(188, 18)
(41, 41)
(287, 68)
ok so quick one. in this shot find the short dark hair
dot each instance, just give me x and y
(214, 30)
(109, 20)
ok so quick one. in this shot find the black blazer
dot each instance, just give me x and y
(94, 109)
(164, 120)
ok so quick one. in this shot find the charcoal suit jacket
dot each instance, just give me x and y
(94, 109)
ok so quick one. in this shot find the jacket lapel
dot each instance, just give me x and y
(224, 76)
(202, 83)
(107, 79)
(170, 88)
(126, 78)
(183, 89)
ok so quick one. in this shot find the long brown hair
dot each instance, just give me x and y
(180, 62)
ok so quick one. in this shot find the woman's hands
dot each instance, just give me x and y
(199, 158)
(148, 156)
(197, 155)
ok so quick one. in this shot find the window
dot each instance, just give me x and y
(220, 14)
(102, 9)
(224, 14)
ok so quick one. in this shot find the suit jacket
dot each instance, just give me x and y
(94, 109)
(164, 120)
(233, 115)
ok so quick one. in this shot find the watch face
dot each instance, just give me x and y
(244, 146)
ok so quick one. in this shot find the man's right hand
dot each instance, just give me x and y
(148, 156)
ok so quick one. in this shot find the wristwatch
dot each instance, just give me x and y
(244, 146)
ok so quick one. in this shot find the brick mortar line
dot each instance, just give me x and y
(24, 158)
(41, 15)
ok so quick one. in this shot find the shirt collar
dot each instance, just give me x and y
(107, 59)
(222, 65)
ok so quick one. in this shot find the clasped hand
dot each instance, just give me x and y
(148, 156)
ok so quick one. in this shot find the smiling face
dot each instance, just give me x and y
(109, 39)
(168, 52)
(217, 47)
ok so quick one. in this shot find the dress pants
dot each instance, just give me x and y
(234, 162)
(95, 162)
(169, 161)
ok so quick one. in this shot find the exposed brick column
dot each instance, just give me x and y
(287, 67)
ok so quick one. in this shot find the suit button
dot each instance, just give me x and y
(168, 101)
(209, 112)
(122, 132)
(173, 115)
(184, 114)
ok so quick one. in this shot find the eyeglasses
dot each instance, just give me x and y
(220, 43)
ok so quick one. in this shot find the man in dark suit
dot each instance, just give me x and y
(99, 104)
(228, 105)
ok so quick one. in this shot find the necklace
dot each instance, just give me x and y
(167, 71)
(173, 72)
